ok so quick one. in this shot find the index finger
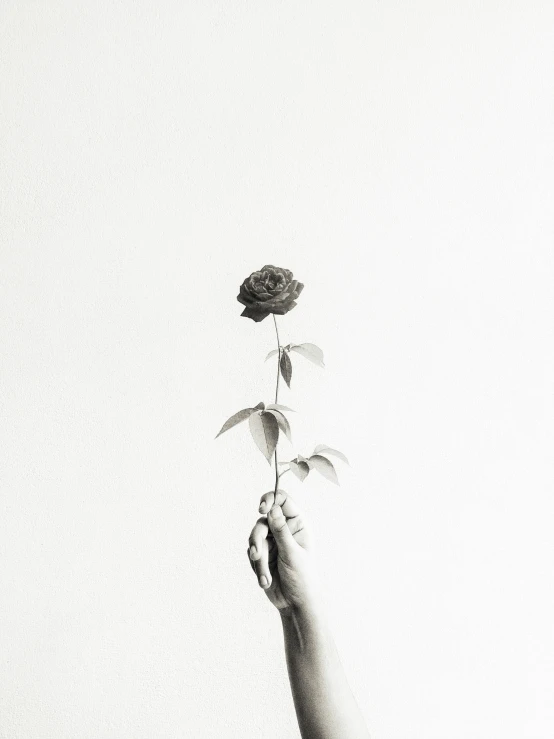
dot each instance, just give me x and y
(288, 505)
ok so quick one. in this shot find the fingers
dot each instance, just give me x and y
(282, 522)
(261, 569)
(258, 552)
(290, 509)
(266, 501)
(280, 530)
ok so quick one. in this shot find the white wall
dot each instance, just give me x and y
(399, 158)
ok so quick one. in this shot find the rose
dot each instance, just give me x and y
(271, 290)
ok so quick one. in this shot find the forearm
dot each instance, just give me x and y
(325, 705)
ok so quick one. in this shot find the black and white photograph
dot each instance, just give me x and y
(277, 369)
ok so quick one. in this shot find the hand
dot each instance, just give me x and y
(279, 553)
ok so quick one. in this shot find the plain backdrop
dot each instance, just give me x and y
(399, 158)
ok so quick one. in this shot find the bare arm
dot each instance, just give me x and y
(279, 552)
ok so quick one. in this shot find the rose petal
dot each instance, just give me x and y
(279, 310)
(245, 296)
(245, 292)
(298, 290)
(254, 313)
(285, 295)
(289, 306)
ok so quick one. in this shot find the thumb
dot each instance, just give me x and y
(279, 528)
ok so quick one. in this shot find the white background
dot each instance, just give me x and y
(399, 158)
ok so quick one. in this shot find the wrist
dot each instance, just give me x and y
(304, 614)
(304, 627)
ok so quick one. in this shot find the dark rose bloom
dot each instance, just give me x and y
(271, 290)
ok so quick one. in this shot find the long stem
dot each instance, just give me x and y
(277, 398)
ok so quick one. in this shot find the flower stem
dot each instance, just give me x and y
(277, 399)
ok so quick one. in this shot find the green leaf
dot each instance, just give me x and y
(237, 418)
(300, 469)
(324, 449)
(309, 351)
(324, 467)
(286, 367)
(265, 432)
(283, 422)
(277, 407)
(272, 353)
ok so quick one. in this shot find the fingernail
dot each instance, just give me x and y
(263, 581)
(253, 552)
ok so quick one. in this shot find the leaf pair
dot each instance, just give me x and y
(308, 351)
(265, 422)
(301, 466)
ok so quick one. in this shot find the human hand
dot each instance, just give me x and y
(279, 553)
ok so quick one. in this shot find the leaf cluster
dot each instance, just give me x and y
(301, 466)
(265, 422)
(309, 351)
